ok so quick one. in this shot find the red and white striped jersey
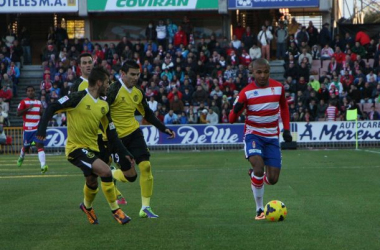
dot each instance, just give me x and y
(263, 105)
(331, 113)
(32, 117)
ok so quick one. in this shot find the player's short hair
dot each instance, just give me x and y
(29, 87)
(130, 64)
(260, 62)
(97, 74)
(83, 55)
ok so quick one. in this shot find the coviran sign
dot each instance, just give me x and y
(150, 5)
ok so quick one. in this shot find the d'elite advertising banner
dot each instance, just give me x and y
(38, 6)
(150, 5)
(271, 4)
(233, 134)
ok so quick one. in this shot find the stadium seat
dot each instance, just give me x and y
(325, 64)
(367, 107)
(371, 62)
(315, 66)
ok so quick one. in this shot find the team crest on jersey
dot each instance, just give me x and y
(255, 93)
(135, 98)
(272, 89)
(103, 110)
(88, 107)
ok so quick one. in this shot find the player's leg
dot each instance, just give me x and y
(26, 138)
(137, 146)
(272, 160)
(105, 156)
(41, 153)
(92, 167)
(253, 151)
(104, 172)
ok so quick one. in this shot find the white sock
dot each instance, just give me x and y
(22, 153)
(41, 157)
(258, 193)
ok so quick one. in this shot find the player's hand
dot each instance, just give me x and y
(287, 136)
(31, 106)
(131, 160)
(170, 132)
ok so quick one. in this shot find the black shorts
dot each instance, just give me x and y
(83, 159)
(136, 144)
(104, 153)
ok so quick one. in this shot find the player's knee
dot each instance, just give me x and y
(145, 167)
(272, 179)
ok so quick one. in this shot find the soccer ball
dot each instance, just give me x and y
(275, 211)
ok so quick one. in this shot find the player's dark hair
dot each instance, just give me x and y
(83, 55)
(29, 87)
(97, 74)
(129, 64)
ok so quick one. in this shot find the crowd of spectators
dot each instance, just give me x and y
(192, 82)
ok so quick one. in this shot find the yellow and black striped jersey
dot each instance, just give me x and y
(80, 84)
(123, 103)
(84, 113)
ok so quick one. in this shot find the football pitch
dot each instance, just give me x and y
(204, 201)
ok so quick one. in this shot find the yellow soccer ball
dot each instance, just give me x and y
(275, 211)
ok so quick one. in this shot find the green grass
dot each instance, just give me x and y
(204, 202)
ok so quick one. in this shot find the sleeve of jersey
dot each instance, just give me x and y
(63, 104)
(21, 106)
(74, 88)
(238, 108)
(149, 115)
(285, 116)
(112, 92)
(114, 140)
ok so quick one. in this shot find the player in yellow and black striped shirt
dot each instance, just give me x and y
(85, 111)
(86, 64)
(124, 98)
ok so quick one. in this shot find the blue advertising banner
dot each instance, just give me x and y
(271, 4)
(196, 134)
(56, 137)
(233, 134)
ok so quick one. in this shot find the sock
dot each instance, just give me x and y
(266, 179)
(146, 182)
(119, 175)
(117, 192)
(22, 153)
(89, 196)
(41, 156)
(108, 189)
(257, 185)
(145, 202)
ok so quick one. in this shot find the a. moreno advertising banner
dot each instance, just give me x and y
(271, 4)
(336, 131)
(38, 6)
(233, 134)
(150, 5)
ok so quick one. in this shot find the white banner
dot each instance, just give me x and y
(38, 6)
(336, 131)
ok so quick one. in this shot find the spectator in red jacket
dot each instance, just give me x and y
(339, 55)
(180, 37)
(6, 93)
(362, 38)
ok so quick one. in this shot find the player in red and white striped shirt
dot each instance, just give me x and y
(264, 100)
(31, 111)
